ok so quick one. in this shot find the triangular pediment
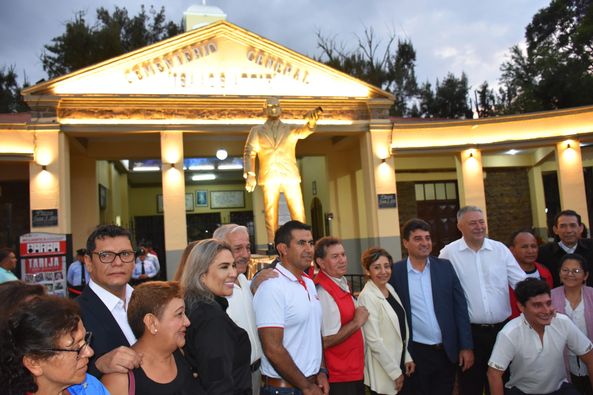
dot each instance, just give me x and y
(220, 59)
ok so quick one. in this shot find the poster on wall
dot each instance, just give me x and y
(43, 260)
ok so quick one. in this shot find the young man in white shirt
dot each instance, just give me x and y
(535, 343)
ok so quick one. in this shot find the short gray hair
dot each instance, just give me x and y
(223, 231)
(468, 209)
(199, 260)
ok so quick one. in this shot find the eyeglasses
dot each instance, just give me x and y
(109, 256)
(87, 340)
(574, 272)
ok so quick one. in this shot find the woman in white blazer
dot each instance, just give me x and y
(386, 332)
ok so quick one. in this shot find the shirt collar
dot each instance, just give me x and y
(486, 245)
(569, 250)
(109, 299)
(285, 272)
(341, 281)
(411, 268)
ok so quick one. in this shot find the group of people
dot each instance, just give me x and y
(478, 309)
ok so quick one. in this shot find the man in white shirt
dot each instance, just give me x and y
(535, 343)
(145, 268)
(343, 345)
(241, 301)
(485, 268)
(288, 317)
(109, 260)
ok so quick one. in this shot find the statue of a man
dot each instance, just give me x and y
(274, 143)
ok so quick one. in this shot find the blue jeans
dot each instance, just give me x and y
(267, 390)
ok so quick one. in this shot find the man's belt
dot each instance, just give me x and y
(280, 383)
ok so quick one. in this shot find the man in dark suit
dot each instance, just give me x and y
(110, 261)
(569, 228)
(437, 314)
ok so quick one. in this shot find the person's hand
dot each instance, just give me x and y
(312, 116)
(250, 182)
(119, 360)
(466, 359)
(322, 382)
(263, 275)
(410, 368)
(399, 383)
(361, 315)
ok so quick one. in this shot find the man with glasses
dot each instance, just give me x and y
(110, 261)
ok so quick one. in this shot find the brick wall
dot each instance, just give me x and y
(507, 202)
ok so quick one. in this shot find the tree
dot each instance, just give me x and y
(451, 98)
(112, 35)
(10, 92)
(556, 70)
(486, 101)
(391, 71)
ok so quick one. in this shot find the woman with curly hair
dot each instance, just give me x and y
(45, 350)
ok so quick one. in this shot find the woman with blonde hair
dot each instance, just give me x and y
(217, 349)
(386, 332)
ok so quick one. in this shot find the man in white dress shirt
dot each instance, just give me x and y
(241, 301)
(110, 261)
(485, 268)
(535, 343)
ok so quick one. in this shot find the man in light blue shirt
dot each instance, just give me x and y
(437, 314)
(7, 264)
(76, 270)
(145, 268)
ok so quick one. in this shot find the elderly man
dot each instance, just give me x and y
(535, 343)
(274, 143)
(241, 301)
(340, 326)
(432, 296)
(523, 246)
(485, 268)
(288, 316)
(110, 261)
(568, 227)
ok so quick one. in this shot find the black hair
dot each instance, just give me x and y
(414, 224)
(575, 257)
(29, 331)
(12, 293)
(517, 233)
(529, 288)
(103, 231)
(5, 252)
(323, 244)
(284, 233)
(567, 213)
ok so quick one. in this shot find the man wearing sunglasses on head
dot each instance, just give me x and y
(110, 260)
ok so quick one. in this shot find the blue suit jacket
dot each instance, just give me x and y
(96, 318)
(450, 306)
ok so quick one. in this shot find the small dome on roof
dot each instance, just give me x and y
(199, 9)
(200, 15)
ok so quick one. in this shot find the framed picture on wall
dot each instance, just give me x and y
(189, 202)
(227, 199)
(159, 203)
(102, 197)
(201, 198)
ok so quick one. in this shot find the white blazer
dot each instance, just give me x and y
(382, 340)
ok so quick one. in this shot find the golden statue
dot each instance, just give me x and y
(274, 143)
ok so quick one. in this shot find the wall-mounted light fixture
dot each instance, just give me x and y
(567, 145)
(172, 164)
(44, 168)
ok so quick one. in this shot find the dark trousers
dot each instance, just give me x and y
(582, 384)
(566, 389)
(435, 373)
(347, 388)
(473, 381)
